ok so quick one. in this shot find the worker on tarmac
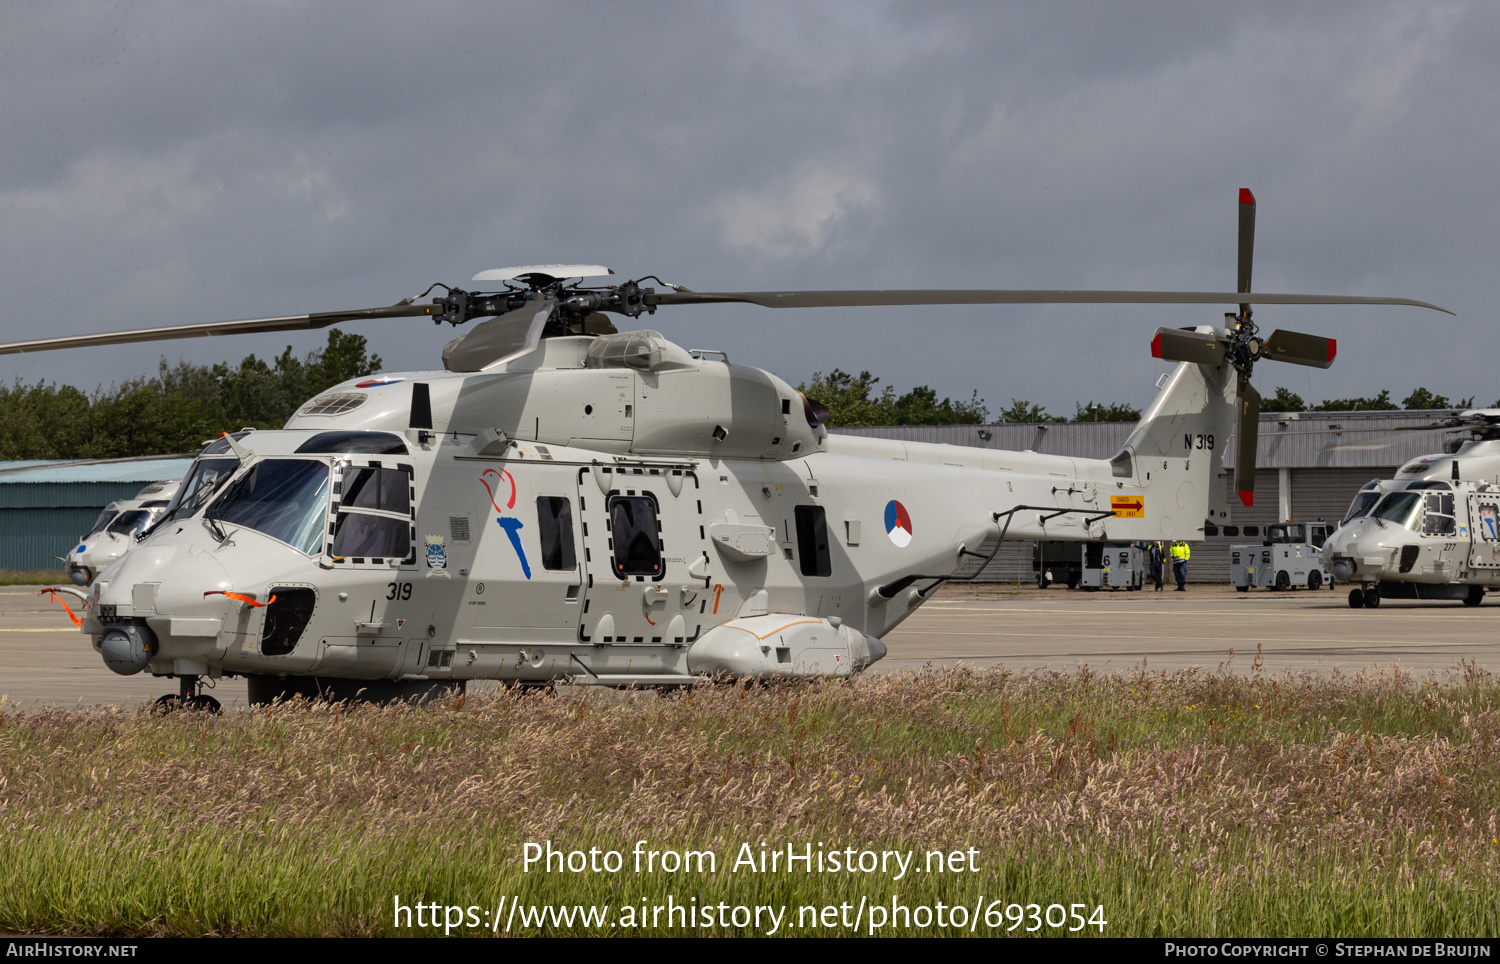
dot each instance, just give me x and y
(1180, 556)
(1155, 555)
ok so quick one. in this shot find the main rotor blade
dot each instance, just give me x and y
(991, 296)
(1176, 345)
(1300, 349)
(242, 326)
(1247, 240)
(1247, 433)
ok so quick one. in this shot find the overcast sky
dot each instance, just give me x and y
(169, 163)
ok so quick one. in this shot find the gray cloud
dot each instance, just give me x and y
(168, 163)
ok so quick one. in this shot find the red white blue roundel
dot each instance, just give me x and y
(378, 380)
(897, 523)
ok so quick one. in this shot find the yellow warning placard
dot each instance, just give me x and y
(1128, 506)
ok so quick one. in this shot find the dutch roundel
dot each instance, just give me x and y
(897, 523)
(378, 380)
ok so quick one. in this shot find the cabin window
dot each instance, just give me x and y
(1437, 517)
(1489, 523)
(381, 489)
(636, 536)
(555, 525)
(812, 541)
(374, 514)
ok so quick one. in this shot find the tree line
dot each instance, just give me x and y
(178, 409)
(854, 402)
(1288, 401)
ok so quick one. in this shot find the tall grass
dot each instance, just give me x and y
(1184, 803)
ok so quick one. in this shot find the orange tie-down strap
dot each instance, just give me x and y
(242, 597)
(53, 591)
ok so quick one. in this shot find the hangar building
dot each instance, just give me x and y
(46, 506)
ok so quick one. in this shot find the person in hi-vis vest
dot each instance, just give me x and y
(1180, 556)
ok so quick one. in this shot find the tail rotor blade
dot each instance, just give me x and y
(1176, 345)
(1247, 241)
(1247, 431)
(1300, 349)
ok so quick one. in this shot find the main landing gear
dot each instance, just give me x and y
(1364, 597)
(188, 697)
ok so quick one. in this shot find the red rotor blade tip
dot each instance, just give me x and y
(1247, 499)
(1246, 197)
(1333, 349)
(1156, 346)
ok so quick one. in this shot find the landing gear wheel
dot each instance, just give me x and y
(1241, 588)
(1042, 582)
(1315, 580)
(1283, 581)
(187, 697)
(1372, 598)
(1356, 599)
(1475, 596)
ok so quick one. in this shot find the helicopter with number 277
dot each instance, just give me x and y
(568, 501)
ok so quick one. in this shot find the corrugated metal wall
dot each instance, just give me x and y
(41, 521)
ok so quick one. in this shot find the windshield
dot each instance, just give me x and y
(104, 519)
(287, 499)
(1360, 506)
(202, 482)
(130, 522)
(1402, 508)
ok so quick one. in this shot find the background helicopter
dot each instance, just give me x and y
(565, 500)
(1433, 531)
(115, 531)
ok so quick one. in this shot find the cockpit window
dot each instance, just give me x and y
(205, 478)
(1361, 505)
(105, 518)
(287, 499)
(130, 522)
(1402, 508)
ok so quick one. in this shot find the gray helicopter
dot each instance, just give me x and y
(568, 501)
(1433, 531)
(116, 530)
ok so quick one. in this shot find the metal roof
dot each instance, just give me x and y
(1301, 440)
(40, 471)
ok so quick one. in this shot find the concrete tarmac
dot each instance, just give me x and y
(45, 661)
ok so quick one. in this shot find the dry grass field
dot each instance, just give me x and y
(1184, 803)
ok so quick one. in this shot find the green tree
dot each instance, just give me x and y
(1422, 398)
(1023, 412)
(849, 399)
(178, 409)
(1380, 403)
(1095, 412)
(1285, 400)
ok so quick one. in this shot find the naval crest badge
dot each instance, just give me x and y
(437, 553)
